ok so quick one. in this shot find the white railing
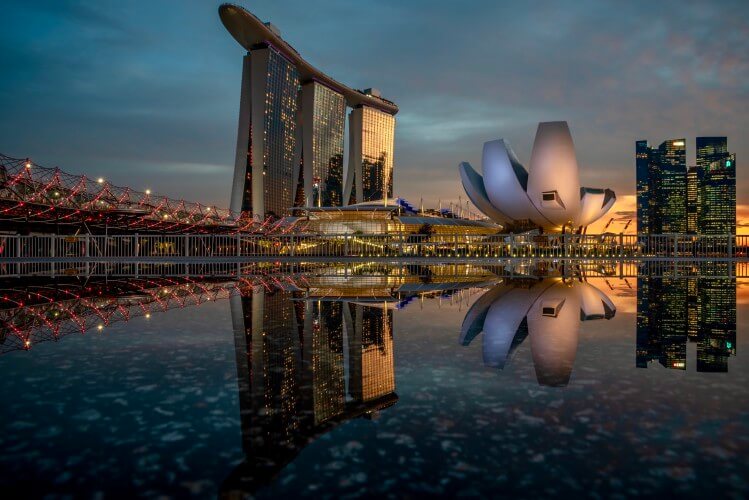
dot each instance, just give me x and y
(461, 269)
(238, 246)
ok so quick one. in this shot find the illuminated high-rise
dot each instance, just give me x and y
(662, 187)
(643, 154)
(323, 125)
(694, 179)
(670, 193)
(371, 140)
(266, 142)
(290, 143)
(674, 199)
(717, 187)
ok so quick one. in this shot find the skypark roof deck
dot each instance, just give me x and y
(250, 31)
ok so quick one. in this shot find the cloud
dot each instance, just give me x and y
(99, 86)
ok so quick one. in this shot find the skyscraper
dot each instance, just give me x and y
(717, 187)
(266, 142)
(662, 187)
(643, 154)
(670, 193)
(710, 149)
(323, 124)
(371, 139)
(674, 199)
(290, 144)
(694, 180)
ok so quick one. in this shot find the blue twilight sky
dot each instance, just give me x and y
(146, 93)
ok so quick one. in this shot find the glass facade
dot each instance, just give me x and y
(672, 310)
(642, 166)
(378, 141)
(717, 186)
(670, 191)
(711, 149)
(694, 179)
(279, 134)
(290, 141)
(328, 125)
(662, 187)
(674, 199)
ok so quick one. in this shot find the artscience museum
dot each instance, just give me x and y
(547, 196)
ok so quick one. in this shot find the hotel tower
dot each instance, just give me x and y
(292, 120)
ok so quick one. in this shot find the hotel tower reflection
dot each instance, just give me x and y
(305, 365)
(372, 139)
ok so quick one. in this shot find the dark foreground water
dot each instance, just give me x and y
(376, 386)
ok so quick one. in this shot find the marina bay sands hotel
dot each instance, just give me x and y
(292, 121)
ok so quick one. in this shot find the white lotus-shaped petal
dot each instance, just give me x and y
(474, 187)
(548, 195)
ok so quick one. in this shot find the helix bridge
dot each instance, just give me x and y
(34, 194)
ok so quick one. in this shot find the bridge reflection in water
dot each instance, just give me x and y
(315, 343)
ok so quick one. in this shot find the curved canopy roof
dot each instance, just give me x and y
(249, 31)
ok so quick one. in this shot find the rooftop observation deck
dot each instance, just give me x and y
(250, 32)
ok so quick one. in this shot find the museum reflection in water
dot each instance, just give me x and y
(316, 350)
(549, 311)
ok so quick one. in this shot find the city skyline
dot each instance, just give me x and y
(186, 151)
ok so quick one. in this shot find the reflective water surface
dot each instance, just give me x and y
(361, 379)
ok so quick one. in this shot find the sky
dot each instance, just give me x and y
(146, 93)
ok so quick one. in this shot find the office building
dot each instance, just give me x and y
(662, 187)
(694, 180)
(323, 125)
(642, 165)
(674, 199)
(717, 187)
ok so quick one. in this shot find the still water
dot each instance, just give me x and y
(366, 380)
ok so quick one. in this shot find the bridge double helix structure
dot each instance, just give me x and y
(31, 193)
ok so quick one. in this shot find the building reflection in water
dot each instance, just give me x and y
(305, 365)
(691, 304)
(314, 348)
(549, 311)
